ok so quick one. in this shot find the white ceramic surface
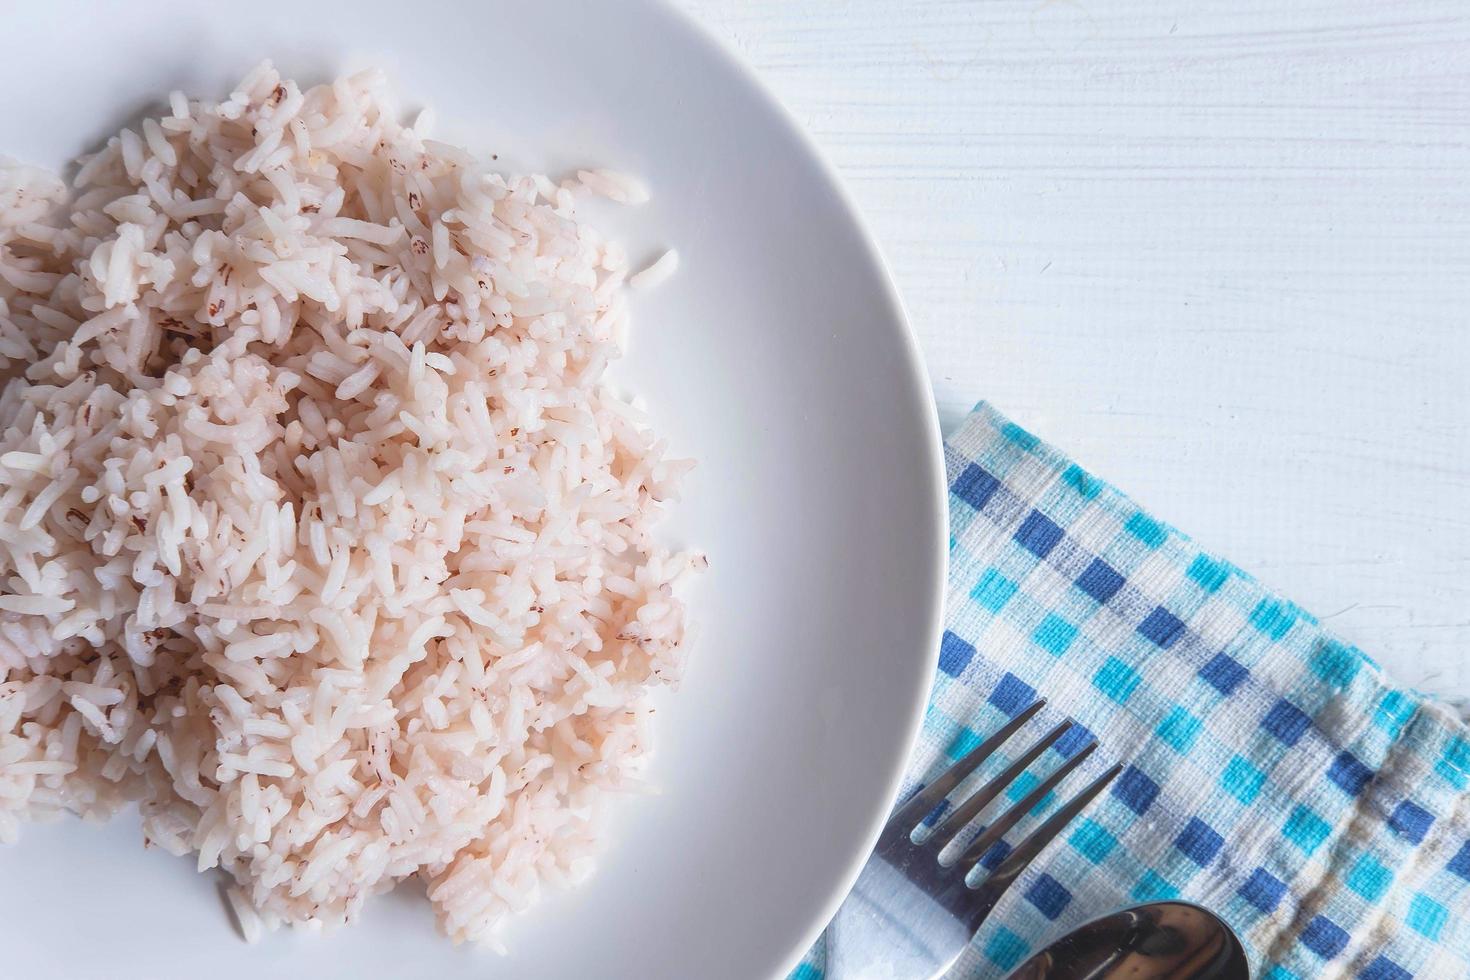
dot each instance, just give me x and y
(778, 355)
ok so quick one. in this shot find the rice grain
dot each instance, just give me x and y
(320, 536)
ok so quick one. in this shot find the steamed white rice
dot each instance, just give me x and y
(320, 537)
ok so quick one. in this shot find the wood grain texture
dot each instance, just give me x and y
(1217, 251)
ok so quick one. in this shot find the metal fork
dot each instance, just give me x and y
(909, 917)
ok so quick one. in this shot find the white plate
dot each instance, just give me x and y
(778, 356)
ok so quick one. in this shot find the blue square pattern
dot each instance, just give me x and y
(1454, 764)
(955, 654)
(1336, 663)
(1117, 680)
(1086, 485)
(1146, 529)
(1306, 830)
(1054, 635)
(1369, 878)
(1324, 937)
(1153, 887)
(1274, 618)
(993, 590)
(1383, 968)
(1049, 896)
(1427, 917)
(1162, 627)
(1208, 573)
(1100, 580)
(1006, 949)
(1242, 780)
(1012, 695)
(1038, 534)
(1092, 841)
(994, 855)
(1394, 712)
(975, 486)
(1135, 790)
(1224, 673)
(1179, 729)
(1410, 821)
(1018, 436)
(1022, 785)
(933, 816)
(1350, 775)
(964, 743)
(1199, 842)
(1263, 890)
(1460, 863)
(1073, 740)
(1279, 972)
(805, 972)
(1286, 721)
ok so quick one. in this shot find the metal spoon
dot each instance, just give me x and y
(1157, 941)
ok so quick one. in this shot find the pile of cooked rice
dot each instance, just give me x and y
(320, 537)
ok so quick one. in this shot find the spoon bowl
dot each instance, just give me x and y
(1157, 941)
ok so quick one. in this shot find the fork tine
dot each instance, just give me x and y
(930, 796)
(965, 812)
(1035, 842)
(1003, 823)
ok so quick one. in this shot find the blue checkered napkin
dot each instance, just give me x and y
(1273, 773)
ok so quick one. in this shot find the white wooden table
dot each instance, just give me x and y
(1218, 251)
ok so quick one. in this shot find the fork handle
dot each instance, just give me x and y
(885, 930)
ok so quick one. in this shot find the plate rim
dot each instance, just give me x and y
(720, 48)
